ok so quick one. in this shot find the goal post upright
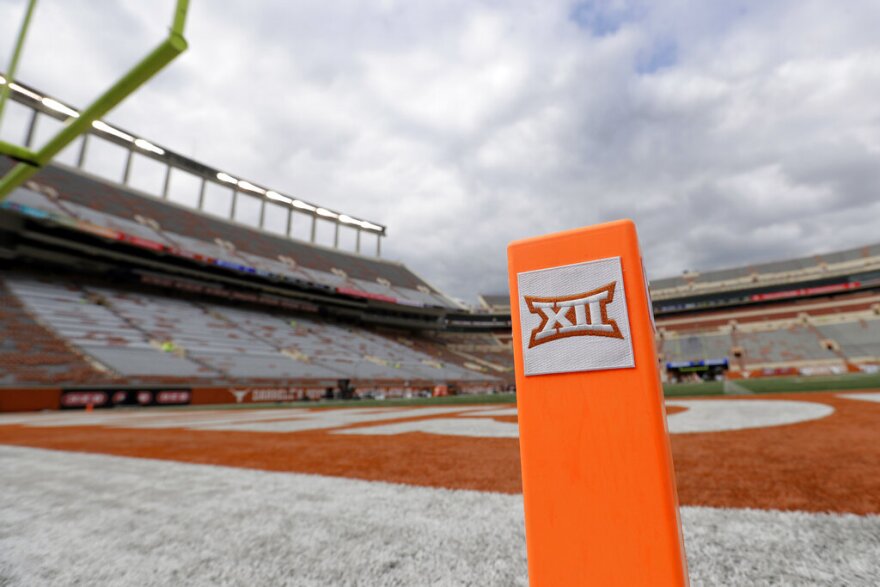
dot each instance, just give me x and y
(16, 54)
(31, 161)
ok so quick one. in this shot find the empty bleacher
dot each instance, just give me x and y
(149, 336)
(97, 331)
(859, 339)
(697, 347)
(31, 355)
(792, 344)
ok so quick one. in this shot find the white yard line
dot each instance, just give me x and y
(475, 427)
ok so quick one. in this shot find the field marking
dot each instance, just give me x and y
(727, 414)
(495, 413)
(143, 419)
(700, 415)
(325, 419)
(477, 427)
(869, 396)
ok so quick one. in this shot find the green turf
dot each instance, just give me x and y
(691, 389)
(845, 382)
(815, 383)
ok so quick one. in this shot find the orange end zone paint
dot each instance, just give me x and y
(598, 482)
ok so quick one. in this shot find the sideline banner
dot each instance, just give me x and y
(258, 394)
(81, 398)
(598, 482)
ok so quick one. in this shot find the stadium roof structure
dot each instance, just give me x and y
(495, 301)
(63, 206)
(823, 274)
(819, 266)
(40, 104)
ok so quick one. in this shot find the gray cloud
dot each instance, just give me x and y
(731, 133)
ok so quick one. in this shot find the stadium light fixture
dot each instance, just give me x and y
(370, 226)
(99, 125)
(32, 95)
(104, 127)
(246, 185)
(303, 206)
(148, 146)
(59, 107)
(278, 197)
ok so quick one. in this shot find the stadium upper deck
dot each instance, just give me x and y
(818, 275)
(109, 210)
(835, 266)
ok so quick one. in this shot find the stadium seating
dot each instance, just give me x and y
(148, 336)
(697, 347)
(786, 345)
(858, 339)
(31, 355)
(88, 324)
(112, 206)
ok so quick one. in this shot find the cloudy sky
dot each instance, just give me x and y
(731, 132)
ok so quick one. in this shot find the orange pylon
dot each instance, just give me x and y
(598, 483)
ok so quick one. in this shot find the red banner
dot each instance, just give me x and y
(365, 294)
(141, 242)
(805, 291)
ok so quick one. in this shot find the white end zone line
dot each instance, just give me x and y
(260, 420)
(700, 416)
(868, 396)
(324, 419)
(714, 415)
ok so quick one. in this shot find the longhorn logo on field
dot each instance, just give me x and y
(584, 314)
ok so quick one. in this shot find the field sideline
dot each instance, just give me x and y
(713, 388)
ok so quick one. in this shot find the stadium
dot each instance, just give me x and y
(190, 398)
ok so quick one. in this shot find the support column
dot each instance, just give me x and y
(336, 236)
(167, 182)
(127, 172)
(234, 202)
(378, 244)
(289, 221)
(314, 227)
(202, 194)
(82, 151)
(32, 128)
(357, 241)
(262, 212)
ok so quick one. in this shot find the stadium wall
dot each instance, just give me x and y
(30, 400)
